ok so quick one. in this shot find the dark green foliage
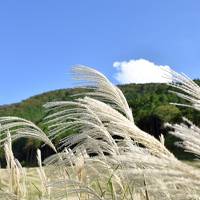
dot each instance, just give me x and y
(168, 113)
(149, 103)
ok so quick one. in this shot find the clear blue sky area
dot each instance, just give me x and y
(41, 39)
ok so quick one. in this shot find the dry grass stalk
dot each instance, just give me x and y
(45, 191)
(16, 173)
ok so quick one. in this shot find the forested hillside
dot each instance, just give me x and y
(149, 103)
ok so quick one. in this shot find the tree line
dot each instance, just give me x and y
(150, 104)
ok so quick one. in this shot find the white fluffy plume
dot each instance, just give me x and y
(106, 131)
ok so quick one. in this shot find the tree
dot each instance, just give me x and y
(168, 113)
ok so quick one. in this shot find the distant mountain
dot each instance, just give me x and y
(149, 104)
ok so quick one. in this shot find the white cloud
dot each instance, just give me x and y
(141, 71)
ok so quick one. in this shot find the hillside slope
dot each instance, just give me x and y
(149, 103)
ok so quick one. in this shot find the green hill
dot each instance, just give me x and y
(149, 103)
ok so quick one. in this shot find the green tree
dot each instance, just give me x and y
(168, 113)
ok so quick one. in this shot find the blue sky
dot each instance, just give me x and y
(41, 40)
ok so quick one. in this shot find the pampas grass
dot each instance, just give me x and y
(189, 135)
(19, 128)
(108, 156)
(16, 174)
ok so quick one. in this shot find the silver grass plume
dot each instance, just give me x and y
(189, 135)
(94, 119)
(104, 90)
(186, 131)
(163, 179)
(100, 114)
(19, 128)
(190, 91)
(138, 155)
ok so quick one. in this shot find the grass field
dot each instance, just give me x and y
(109, 159)
(34, 187)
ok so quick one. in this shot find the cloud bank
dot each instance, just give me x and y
(140, 71)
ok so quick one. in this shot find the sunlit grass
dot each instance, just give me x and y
(109, 159)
